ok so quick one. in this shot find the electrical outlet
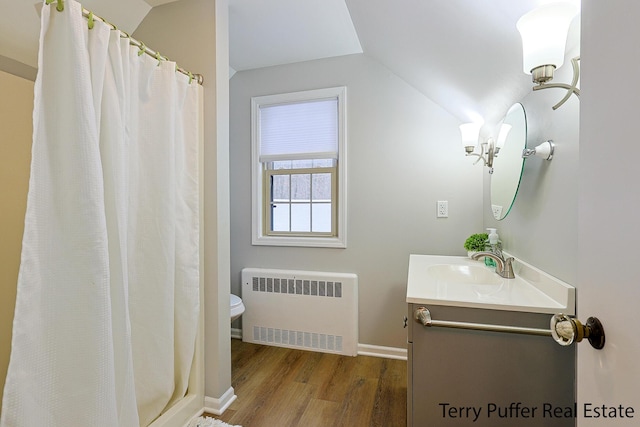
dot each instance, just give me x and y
(497, 211)
(442, 209)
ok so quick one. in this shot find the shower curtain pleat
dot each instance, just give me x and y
(107, 303)
(187, 241)
(115, 160)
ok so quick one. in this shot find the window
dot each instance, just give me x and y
(298, 161)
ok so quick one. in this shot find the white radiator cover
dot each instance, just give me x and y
(306, 310)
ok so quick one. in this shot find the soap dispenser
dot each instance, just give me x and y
(492, 244)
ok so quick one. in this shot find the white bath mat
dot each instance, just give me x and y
(208, 422)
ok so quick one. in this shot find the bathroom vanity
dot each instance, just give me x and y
(466, 377)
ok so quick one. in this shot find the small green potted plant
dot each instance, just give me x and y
(475, 243)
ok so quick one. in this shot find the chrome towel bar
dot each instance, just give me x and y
(565, 330)
(423, 315)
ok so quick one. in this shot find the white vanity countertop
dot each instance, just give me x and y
(463, 282)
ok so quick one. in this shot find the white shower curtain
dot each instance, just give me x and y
(107, 306)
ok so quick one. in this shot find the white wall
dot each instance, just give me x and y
(404, 154)
(608, 278)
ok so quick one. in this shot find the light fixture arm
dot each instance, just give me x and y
(571, 89)
(486, 157)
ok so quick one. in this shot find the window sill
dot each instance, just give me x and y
(305, 242)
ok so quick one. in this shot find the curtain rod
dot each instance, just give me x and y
(143, 48)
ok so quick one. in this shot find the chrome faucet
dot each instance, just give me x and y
(503, 266)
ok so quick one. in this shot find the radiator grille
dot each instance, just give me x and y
(301, 309)
(309, 340)
(297, 286)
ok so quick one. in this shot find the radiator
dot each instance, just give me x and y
(306, 310)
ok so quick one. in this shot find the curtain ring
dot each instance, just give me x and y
(59, 5)
(91, 22)
(142, 48)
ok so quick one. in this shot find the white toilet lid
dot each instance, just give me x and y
(235, 300)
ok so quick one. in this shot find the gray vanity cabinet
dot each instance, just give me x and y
(462, 377)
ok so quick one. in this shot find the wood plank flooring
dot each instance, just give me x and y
(279, 387)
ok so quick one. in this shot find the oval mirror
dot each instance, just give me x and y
(508, 164)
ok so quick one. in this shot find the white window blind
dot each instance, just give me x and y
(295, 131)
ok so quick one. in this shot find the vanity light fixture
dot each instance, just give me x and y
(489, 149)
(544, 36)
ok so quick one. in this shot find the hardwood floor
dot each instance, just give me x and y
(279, 387)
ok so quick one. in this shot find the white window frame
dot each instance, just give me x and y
(259, 235)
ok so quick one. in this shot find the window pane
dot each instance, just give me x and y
(301, 164)
(280, 164)
(280, 217)
(301, 187)
(321, 217)
(324, 163)
(280, 188)
(321, 189)
(300, 217)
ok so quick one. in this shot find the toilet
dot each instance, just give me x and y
(237, 307)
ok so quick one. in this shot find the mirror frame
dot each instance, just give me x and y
(509, 164)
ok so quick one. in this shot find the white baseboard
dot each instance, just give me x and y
(363, 349)
(236, 333)
(219, 405)
(380, 351)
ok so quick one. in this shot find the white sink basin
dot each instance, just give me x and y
(464, 274)
(462, 282)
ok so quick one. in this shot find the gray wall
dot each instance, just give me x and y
(542, 227)
(404, 154)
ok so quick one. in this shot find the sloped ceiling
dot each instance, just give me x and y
(275, 32)
(463, 54)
